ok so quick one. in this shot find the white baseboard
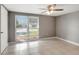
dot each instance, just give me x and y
(71, 42)
(47, 38)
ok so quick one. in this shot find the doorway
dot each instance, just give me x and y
(27, 28)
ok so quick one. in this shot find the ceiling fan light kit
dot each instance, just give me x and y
(50, 9)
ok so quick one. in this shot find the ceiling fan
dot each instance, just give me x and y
(50, 9)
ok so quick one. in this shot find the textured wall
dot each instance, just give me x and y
(67, 26)
(46, 24)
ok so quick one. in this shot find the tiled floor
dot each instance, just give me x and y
(42, 47)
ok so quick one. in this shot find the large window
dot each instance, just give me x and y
(27, 27)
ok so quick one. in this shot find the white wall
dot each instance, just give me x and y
(4, 28)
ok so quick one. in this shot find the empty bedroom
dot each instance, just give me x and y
(39, 29)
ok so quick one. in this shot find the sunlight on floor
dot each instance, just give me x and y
(22, 46)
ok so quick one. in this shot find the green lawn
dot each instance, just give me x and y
(34, 33)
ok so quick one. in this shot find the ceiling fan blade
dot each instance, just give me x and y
(57, 9)
(43, 11)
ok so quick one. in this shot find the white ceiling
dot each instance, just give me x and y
(34, 8)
